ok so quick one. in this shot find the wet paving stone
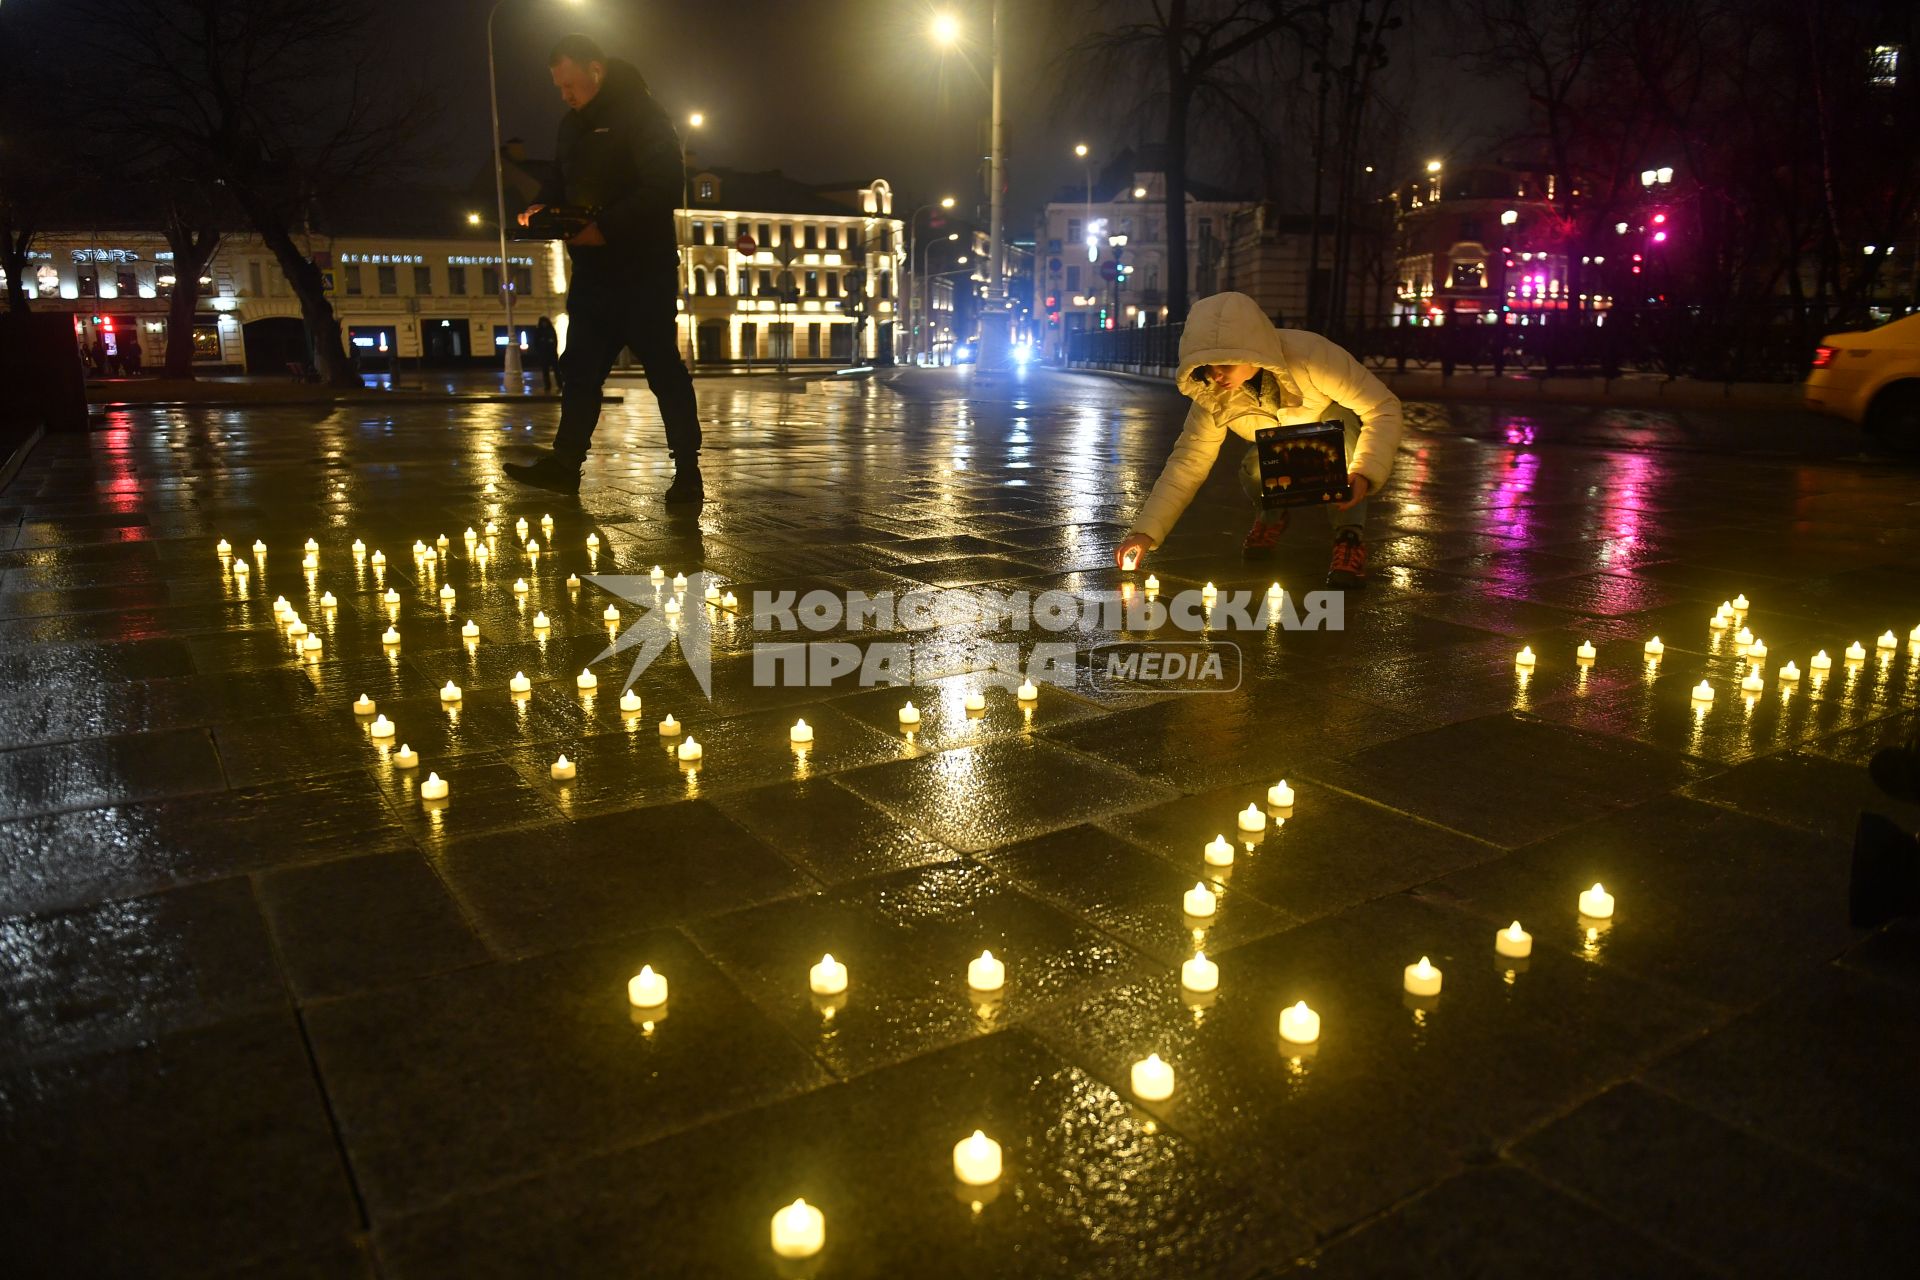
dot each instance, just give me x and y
(197, 832)
(464, 1080)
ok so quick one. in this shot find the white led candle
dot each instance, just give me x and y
(520, 683)
(450, 692)
(1596, 903)
(1586, 652)
(434, 788)
(1525, 657)
(1199, 973)
(1252, 819)
(471, 631)
(586, 679)
(976, 1160)
(1654, 648)
(1513, 941)
(406, 757)
(1299, 1024)
(381, 727)
(690, 749)
(1026, 692)
(828, 978)
(986, 973)
(1422, 979)
(1280, 795)
(909, 714)
(799, 1230)
(669, 726)
(1219, 852)
(1199, 901)
(363, 705)
(976, 701)
(801, 732)
(1152, 1079)
(629, 702)
(647, 989)
(561, 769)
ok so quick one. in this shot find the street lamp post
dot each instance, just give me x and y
(694, 120)
(913, 277)
(995, 335)
(513, 368)
(923, 312)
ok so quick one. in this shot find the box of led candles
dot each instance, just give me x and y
(1303, 466)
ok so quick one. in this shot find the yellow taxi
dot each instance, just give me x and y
(1872, 378)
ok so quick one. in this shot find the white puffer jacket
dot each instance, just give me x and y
(1313, 377)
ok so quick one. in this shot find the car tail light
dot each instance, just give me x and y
(1823, 356)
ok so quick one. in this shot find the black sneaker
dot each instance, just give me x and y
(546, 472)
(686, 487)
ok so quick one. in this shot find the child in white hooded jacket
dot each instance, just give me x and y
(1244, 374)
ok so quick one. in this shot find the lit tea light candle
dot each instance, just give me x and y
(392, 596)
(533, 546)
(481, 556)
(1740, 602)
(801, 732)
(976, 1160)
(1199, 973)
(328, 600)
(1152, 583)
(540, 622)
(561, 769)
(406, 757)
(1199, 901)
(359, 548)
(363, 705)
(312, 644)
(520, 526)
(1027, 692)
(391, 636)
(713, 593)
(310, 561)
(490, 527)
(1524, 658)
(1889, 641)
(419, 548)
(240, 570)
(311, 546)
(1422, 979)
(909, 714)
(690, 749)
(1252, 819)
(1758, 649)
(471, 631)
(1819, 661)
(1280, 795)
(986, 973)
(281, 605)
(295, 627)
(799, 1230)
(1789, 672)
(976, 701)
(593, 541)
(1219, 852)
(1596, 903)
(434, 788)
(673, 605)
(669, 726)
(629, 702)
(1209, 591)
(657, 575)
(586, 679)
(469, 537)
(1586, 652)
(450, 693)
(546, 521)
(1752, 683)
(1855, 653)
(828, 978)
(1743, 636)
(1703, 692)
(647, 989)
(573, 582)
(1152, 1079)
(377, 559)
(679, 582)
(1513, 942)
(446, 593)
(259, 547)
(1299, 1024)
(381, 727)
(1653, 648)
(520, 683)
(729, 601)
(1274, 592)
(1718, 622)
(611, 613)
(223, 547)
(1726, 609)
(1913, 636)
(519, 586)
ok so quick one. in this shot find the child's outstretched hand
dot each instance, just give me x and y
(1361, 487)
(1132, 551)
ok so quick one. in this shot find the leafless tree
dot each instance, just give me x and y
(281, 103)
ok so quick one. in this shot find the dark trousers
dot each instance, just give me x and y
(602, 317)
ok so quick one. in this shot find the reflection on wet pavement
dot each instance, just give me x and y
(267, 1008)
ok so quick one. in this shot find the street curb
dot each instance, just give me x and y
(18, 457)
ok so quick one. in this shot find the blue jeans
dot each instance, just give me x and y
(1354, 517)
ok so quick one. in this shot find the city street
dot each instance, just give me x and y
(268, 1010)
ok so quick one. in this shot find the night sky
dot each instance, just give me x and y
(830, 90)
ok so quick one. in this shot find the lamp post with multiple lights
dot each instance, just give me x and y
(913, 275)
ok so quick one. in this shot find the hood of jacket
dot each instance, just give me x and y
(1230, 328)
(621, 86)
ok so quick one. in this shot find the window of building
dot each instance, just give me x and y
(490, 281)
(1884, 66)
(743, 281)
(706, 189)
(1073, 230)
(423, 280)
(1073, 279)
(697, 232)
(786, 234)
(809, 237)
(353, 277)
(813, 284)
(765, 238)
(766, 281)
(697, 280)
(457, 281)
(833, 237)
(522, 278)
(389, 280)
(256, 284)
(886, 284)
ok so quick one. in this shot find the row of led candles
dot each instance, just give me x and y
(799, 1229)
(1750, 648)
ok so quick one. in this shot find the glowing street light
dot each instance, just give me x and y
(1433, 166)
(1080, 149)
(945, 29)
(473, 219)
(696, 119)
(1509, 217)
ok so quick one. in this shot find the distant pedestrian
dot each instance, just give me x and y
(546, 351)
(98, 353)
(131, 356)
(1243, 375)
(618, 155)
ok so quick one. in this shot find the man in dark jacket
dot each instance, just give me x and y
(617, 153)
